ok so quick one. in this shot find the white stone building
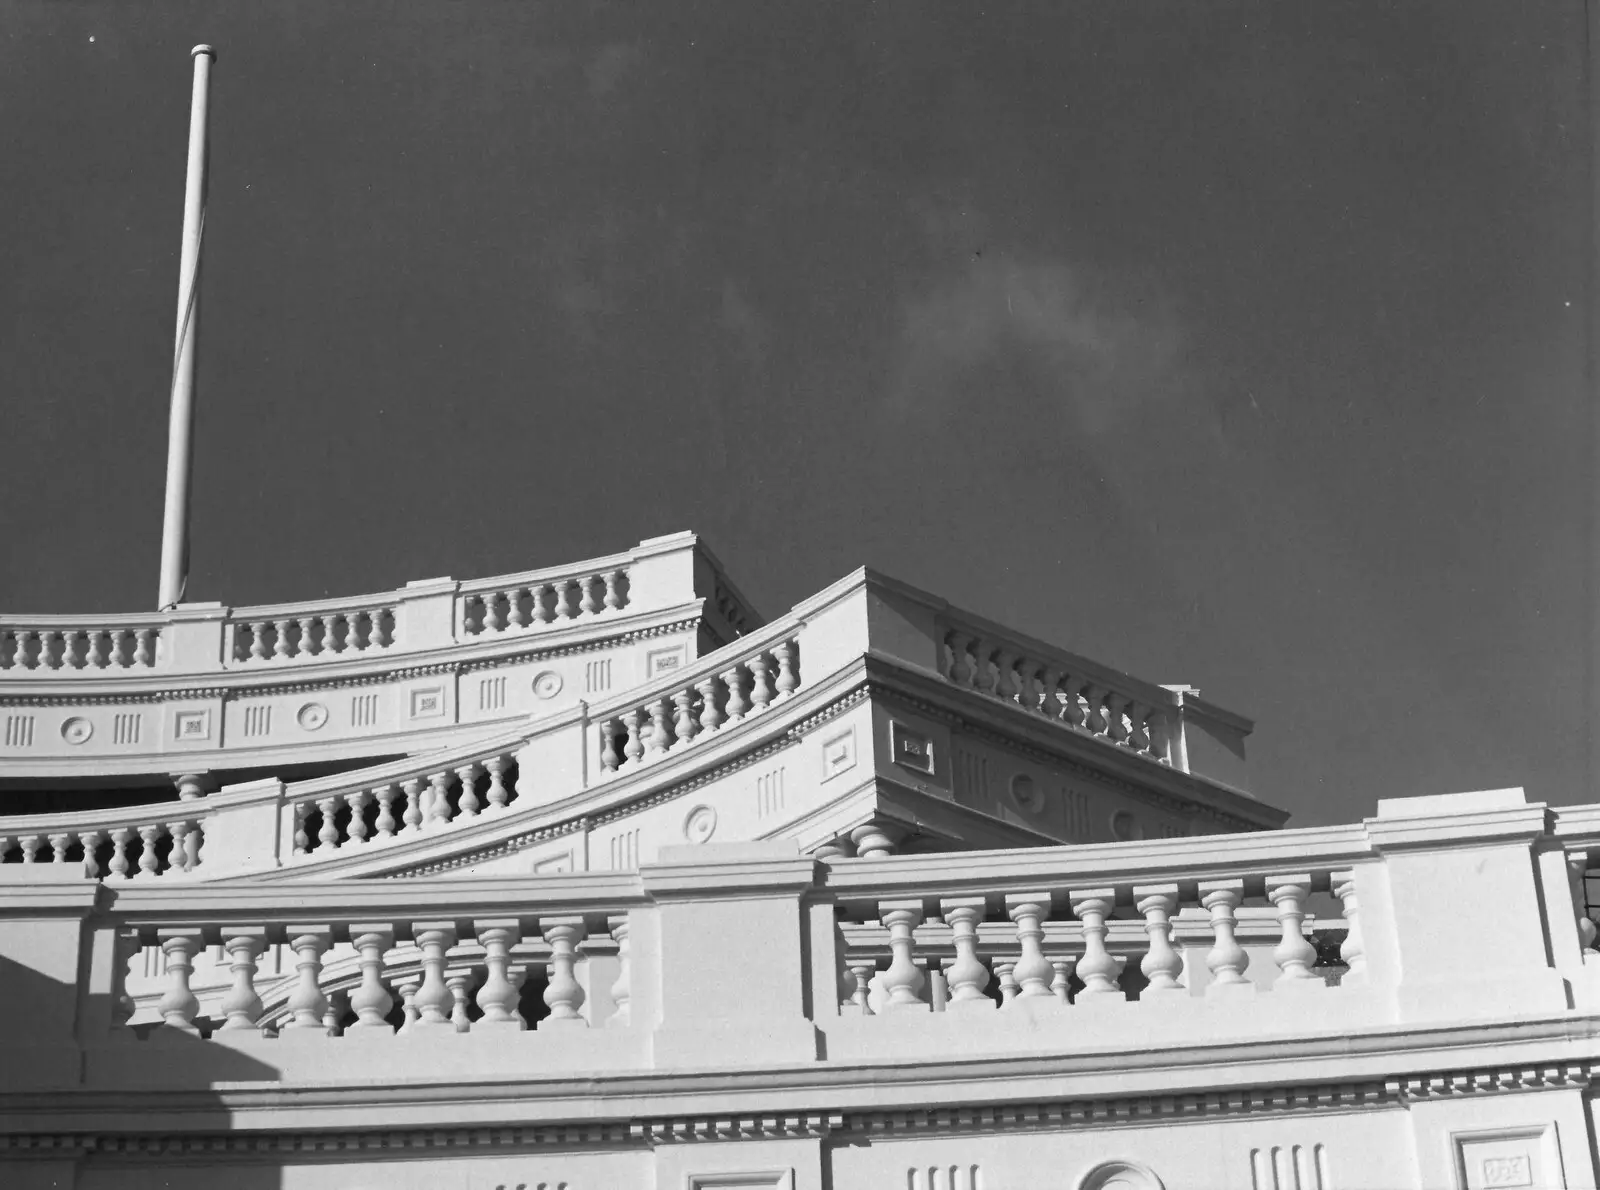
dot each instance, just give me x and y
(589, 878)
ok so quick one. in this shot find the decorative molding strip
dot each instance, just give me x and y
(1098, 1112)
(611, 1133)
(574, 650)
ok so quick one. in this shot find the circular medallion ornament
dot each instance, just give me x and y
(700, 825)
(312, 716)
(1026, 793)
(1124, 826)
(77, 730)
(547, 684)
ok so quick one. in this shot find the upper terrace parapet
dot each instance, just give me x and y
(217, 687)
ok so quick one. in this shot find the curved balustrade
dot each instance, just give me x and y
(280, 634)
(1064, 689)
(71, 645)
(716, 698)
(433, 796)
(522, 602)
(138, 842)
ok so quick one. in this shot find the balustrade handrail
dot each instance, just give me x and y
(1098, 865)
(423, 763)
(10, 621)
(955, 619)
(547, 574)
(76, 821)
(340, 902)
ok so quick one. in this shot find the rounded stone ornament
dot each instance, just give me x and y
(547, 684)
(77, 730)
(700, 824)
(1026, 793)
(312, 716)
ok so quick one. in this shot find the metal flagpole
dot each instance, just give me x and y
(180, 427)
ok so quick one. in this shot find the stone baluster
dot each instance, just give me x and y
(1352, 951)
(357, 831)
(48, 652)
(984, 676)
(1072, 713)
(58, 848)
(1096, 968)
(684, 726)
(519, 617)
(566, 607)
(735, 680)
(960, 671)
(1030, 684)
(903, 981)
(543, 608)
(181, 859)
(633, 748)
(588, 605)
(304, 635)
(1116, 725)
(329, 809)
(1294, 955)
(412, 817)
(338, 1007)
(862, 971)
(1577, 870)
(1162, 964)
(178, 1005)
(1033, 971)
(622, 987)
(121, 638)
(439, 799)
(242, 1006)
(613, 598)
(343, 632)
(493, 617)
(91, 841)
(1160, 732)
(497, 998)
(120, 838)
(371, 1001)
(433, 999)
(873, 840)
(280, 645)
(385, 823)
(408, 987)
(659, 738)
(144, 647)
(710, 714)
(1061, 981)
(302, 841)
(91, 650)
(1096, 723)
(125, 944)
(19, 654)
(459, 982)
(149, 862)
(499, 796)
(1139, 715)
(469, 804)
(1005, 974)
(967, 976)
(30, 845)
(610, 759)
(306, 1004)
(1226, 960)
(761, 691)
(563, 993)
(258, 640)
(788, 679)
(1005, 677)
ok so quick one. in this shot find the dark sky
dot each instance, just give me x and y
(1234, 344)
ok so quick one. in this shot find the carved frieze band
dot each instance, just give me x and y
(1096, 1113)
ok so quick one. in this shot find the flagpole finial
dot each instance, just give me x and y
(203, 49)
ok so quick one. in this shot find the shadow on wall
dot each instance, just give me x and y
(59, 1044)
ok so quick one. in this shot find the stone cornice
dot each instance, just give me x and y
(1095, 1113)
